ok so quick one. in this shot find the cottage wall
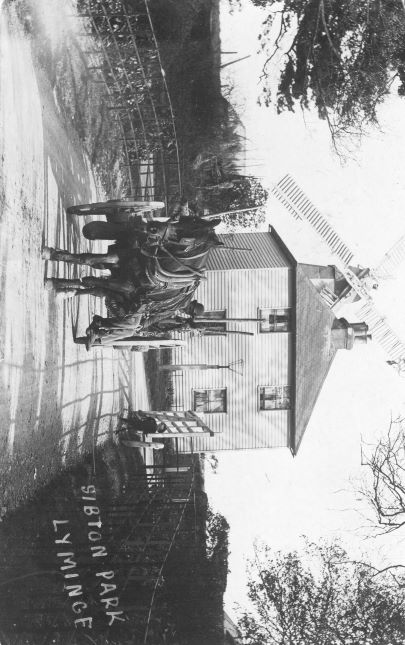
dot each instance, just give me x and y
(266, 359)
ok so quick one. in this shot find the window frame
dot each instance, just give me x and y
(286, 396)
(224, 390)
(284, 311)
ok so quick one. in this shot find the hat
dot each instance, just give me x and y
(196, 308)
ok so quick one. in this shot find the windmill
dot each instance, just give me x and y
(361, 282)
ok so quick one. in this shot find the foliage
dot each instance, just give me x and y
(321, 598)
(246, 193)
(342, 56)
(217, 534)
(235, 5)
(385, 493)
(241, 197)
(196, 573)
(242, 219)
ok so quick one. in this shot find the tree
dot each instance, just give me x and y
(384, 490)
(196, 576)
(250, 218)
(246, 192)
(217, 538)
(342, 56)
(241, 197)
(321, 598)
(234, 5)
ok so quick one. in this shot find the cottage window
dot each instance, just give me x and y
(210, 400)
(275, 397)
(274, 320)
(213, 325)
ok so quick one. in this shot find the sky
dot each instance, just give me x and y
(268, 494)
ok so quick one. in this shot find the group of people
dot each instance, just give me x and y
(144, 324)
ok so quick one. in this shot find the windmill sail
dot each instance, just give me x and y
(297, 203)
(381, 331)
(392, 259)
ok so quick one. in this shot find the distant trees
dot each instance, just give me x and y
(220, 174)
(340, 55)
(321, 598)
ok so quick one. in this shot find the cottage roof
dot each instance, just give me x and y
(314, 352)
(263, 250)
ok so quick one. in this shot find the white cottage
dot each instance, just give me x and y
(267, 400)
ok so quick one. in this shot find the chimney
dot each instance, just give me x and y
(345, 335)
(360, 333)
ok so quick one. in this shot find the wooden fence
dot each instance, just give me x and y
(123, 53)
(84, 562)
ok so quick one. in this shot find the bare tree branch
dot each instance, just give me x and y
(385, 494)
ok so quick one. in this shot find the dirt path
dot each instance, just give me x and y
(56, 399)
